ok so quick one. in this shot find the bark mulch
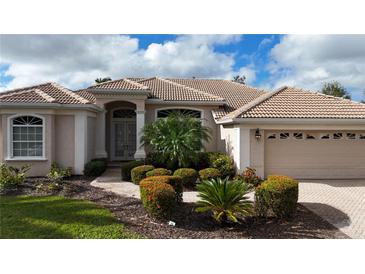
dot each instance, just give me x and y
(188, 223)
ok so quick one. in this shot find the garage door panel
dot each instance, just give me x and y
(315, 159)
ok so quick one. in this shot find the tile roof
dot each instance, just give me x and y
(168, 90)
(43, 93)
(122, 84)
(290, 102)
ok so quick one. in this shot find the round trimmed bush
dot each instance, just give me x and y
(158, 172)
(277, 196)
(139, 173)
(209, 173)
(158, 198)
(174, 181)
(127, 168)
(188, 176)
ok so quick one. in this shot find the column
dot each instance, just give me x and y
(245, 148)
(80, 142)
(140, 121)
(100, 151)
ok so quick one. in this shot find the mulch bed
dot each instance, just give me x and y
(189, 224)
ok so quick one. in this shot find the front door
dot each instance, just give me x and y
(123, 140)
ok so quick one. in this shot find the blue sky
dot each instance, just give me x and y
(268, 61)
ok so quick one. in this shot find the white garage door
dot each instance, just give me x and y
(315, 155)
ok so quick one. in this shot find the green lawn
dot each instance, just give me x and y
(54, 217)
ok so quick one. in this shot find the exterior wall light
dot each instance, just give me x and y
(257, 134)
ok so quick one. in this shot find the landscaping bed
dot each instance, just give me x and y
(190, 224)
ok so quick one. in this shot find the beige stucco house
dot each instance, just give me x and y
(289, 131)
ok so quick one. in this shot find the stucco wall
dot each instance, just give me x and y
(208, 120)
(91, 138)
(65, 140)
(2, 143)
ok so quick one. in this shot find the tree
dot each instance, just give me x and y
(239, 79)
(102, 80)
(335, 89)
(177, 138)
(363, 101)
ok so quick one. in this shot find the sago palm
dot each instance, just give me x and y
(177, 138)
(226, 199)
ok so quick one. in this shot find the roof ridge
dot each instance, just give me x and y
(254, 103)
(190, 88)
(71, 93)
(121, 79)
(135, 83)
(44, 95)
(4, 94)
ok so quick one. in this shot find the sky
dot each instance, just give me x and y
(267, 61)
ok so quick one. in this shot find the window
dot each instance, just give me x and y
(27, 136)
(298, 135)
(163, 113)
(124, 113)
(362, 136)
(271, 136)
(337, 136)
(351, 136)
(284, 135)
(325, 136)
(310, 137)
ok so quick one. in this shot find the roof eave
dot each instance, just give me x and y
(51, 106)
(287, 121)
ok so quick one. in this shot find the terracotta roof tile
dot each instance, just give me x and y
(290, 102)
(122, 84)
(43, 93)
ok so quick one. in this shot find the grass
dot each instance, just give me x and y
(54, 217)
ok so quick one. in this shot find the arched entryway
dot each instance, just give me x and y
(122, 134)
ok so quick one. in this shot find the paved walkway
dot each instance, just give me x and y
(340, 202)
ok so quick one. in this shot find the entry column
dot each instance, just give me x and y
(100, 135)
(140, 121)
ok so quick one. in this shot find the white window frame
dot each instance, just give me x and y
(10, 138)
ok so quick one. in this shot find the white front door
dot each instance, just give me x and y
(123, 140)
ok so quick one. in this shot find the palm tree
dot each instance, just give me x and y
(102, 80)
(239, 79)
(226, 199)
(177, 138)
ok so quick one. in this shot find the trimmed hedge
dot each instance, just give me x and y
(127, 168)
(188, 176)
(95, 167)
(139, 173)
(209, 173)
(158, 172)
(158, 198)
(278, 196)
(174, 181)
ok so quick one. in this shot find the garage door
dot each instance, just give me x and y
(315, 155)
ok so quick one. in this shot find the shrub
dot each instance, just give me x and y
(158, 198)
(11, 176)
(56, 174)
(95, 167)
(226, 199)
(209, 173)
(127, 168)
(223, 162)
(278, 196)
(174, 181)
(188, 176)
(158, 172)
(156, 159)
(139, 173)
(250, 177)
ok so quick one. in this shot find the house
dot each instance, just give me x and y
(289, 131)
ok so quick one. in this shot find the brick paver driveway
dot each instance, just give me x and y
(340, 202)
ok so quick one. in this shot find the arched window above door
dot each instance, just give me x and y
(163, 113)
(124, 113)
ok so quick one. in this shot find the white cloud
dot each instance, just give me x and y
(76, 60)
(310, 60)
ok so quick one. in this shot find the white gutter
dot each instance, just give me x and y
(52, 106)
(302, 121)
